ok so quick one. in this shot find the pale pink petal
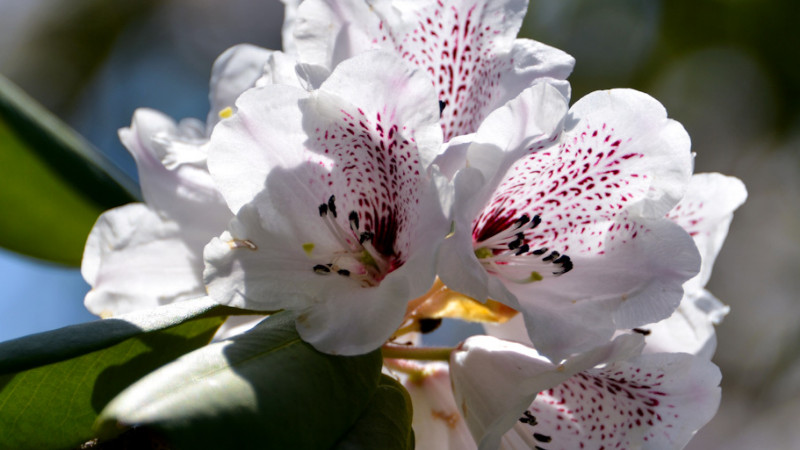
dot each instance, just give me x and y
(135, 259)
(706, 213)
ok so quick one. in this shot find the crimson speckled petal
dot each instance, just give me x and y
(574, 233)
(467, 48)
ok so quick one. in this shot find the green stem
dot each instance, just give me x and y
(418, 353)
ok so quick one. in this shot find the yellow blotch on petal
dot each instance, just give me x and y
(226, 112)
(308, 247)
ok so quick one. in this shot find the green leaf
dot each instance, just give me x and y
(263, 389)
(54, 384)
(386, 423)
(54, 183)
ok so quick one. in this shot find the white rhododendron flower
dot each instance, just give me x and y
(468, 48)
(142, 255)
(338, 215)
(608, 397)
(572, 232)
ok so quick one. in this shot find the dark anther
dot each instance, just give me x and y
(642, 331)
(541, 437)
(523, 249)
(528, 418)
(552, 256)
(365, 236)
(332, 205)
(522, 221)
(566, 264)
(442, 105)
(353, 220)
(321, 269)
(323, 210)
(540, 251)
(536, 221)
(428, 325)
(516, 243)
(343, 272)
(538, 448)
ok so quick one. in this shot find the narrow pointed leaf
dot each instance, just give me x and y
(263, 389)
(53, 183)
(386, 423)
(54, 384)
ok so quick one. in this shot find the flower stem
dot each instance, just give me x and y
(419, 353)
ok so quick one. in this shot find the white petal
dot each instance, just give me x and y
(385, 87)
(289, 18)
(526, 123)
(652, 401)
(135, 259)
(328, 32)
(467, 47)
(494, 381)
(658, 146)
(690, 329)
(705, 213)
(243, 149)
(172, 170)
(234, 71)
(602, 255)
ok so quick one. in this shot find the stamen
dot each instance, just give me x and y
(365, 236)
(508, 253)
(358, 259)
(332, 205)
(242, 243)
(442, 105)
(552, 256)
(353, 221)
(322, 269)
(536, 221)
(522, 221)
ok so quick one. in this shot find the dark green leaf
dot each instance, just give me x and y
(54, 384)
(54, 183)
(264, 389)
(386, 424)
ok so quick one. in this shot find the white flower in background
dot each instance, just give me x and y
(468, 48)
(609, 397)
(572, 231)
(706, 213)
(143, 255)
(338, 216)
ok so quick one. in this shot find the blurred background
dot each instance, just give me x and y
(726, 69)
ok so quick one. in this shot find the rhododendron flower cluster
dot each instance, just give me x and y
(404, 162)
